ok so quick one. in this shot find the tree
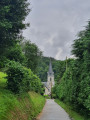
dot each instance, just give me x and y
(12, 15)
(74, 87)
(32, 54)
(15, 53)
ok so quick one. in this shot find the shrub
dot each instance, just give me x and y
(18, 78)
(36, 84)
(21, 79)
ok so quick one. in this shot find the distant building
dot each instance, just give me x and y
(50, 80)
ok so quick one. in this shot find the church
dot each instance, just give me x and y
(50, 80)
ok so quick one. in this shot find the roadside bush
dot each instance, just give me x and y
(3, 62)
(18, 80)
(36, 84)
(21, 79)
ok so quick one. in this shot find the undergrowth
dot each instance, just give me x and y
(18, 107)
(3, 79)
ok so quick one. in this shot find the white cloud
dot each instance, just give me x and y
(55, 23)
(59, 54)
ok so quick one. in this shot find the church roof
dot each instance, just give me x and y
(45, 84)
(50, 72)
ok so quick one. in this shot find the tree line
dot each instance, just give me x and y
(74, 86)
(18, 57)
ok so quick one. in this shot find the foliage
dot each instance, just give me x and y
(47, 97)
(15, 53)
(38, 101)
(3, 79)
(58, 68)
(21, 79)
(3, 62)
(36, 85)
(12, 15)
(32, 54)
(74, 87)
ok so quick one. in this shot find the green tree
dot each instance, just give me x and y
(32, 54)
(12, 15)
(15, 53)
(74, 87)
(82, 51)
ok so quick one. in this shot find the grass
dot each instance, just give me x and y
(22, 107)
(38, 101)
(3, 79)
(74, 115)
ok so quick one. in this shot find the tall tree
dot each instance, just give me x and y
(33, 55)
(12, 15)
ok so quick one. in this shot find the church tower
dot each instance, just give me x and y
(50, 77)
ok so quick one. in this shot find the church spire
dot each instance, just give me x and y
(50, 72)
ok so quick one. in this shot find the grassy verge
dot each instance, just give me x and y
(68, 109)
(22, 107)
(3, 80)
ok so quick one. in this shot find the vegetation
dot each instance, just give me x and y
(24, 106)
(58, 68)
(16, 59)
(74, 86)
(21, 79)
(3, 80)
(12, 14)
(17, 102)
(32, 54)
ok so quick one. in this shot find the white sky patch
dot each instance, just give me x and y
(59, 54)
(50, 40)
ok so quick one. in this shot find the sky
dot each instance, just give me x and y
(54, 25)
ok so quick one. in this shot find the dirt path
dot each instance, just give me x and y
(52, 111)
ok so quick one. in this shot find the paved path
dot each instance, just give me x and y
(52, 111)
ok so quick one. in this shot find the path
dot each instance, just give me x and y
(52, 111)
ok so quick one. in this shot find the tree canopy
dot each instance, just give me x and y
(12, 15)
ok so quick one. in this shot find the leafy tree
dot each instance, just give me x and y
(32, 54)
(74, 87)
(12, 15)
(15, 53)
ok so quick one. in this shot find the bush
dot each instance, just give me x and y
(3, 62)
(21, 79)
(36, 84)
(17, 77)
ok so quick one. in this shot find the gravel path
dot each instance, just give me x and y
(52, 111)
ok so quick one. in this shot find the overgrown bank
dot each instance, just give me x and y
(24, 107)
(19, 59)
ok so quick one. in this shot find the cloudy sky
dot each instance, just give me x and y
(55, 24)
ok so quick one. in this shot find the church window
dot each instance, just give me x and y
(50, 79)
